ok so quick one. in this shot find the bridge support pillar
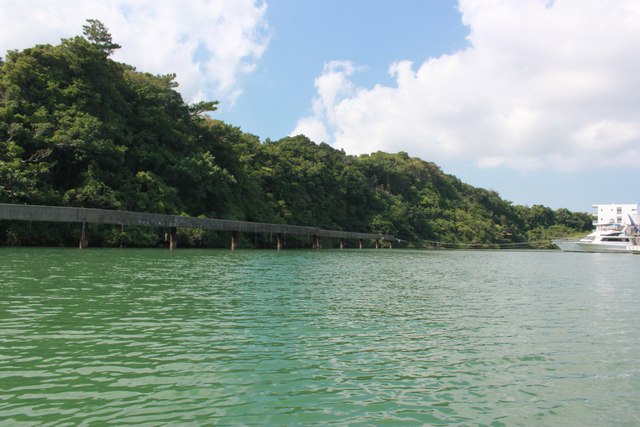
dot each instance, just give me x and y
(360, 244)
(84, 238)
(173, 238)
(279, 241)
(377, 244)
(234, 240)
(342, 243)
(317, 244)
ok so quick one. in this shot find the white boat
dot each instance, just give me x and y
(612, 238)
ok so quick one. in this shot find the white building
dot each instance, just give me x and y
(616, 214)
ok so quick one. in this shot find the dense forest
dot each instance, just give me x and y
(79, 129)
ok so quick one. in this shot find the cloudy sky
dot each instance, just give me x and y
(538, 100)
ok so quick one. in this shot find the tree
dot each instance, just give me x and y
(99, 36)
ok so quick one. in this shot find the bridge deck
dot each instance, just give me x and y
(105, 216)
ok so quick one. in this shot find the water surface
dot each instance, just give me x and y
(372, 337)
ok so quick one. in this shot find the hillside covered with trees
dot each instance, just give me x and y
(79, 129)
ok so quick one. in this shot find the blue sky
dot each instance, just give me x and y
(535, 99)
(305, 35)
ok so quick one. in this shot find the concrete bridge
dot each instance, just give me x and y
(85, 216)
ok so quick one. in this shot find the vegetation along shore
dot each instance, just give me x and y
(80, 129)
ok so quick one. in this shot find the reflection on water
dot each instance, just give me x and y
(127, 336)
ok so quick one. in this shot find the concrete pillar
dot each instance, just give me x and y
(234, 240)
(84, 238)
(317, 244)
(377, 244)
(279, 241)
(360, 244)
(173, 238)
(342, 243)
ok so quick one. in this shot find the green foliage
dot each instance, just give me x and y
(203, 107)
(79, 129)
(99, 35)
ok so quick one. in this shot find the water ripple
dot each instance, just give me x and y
(318, 337)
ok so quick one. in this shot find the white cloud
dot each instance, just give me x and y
(541, 84)
(209, 44)
(312, 128)
(332, 87)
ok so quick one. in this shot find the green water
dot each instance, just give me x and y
(372, 337)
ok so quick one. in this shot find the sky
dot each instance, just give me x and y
(538, 100)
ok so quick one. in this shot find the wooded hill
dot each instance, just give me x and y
(79, 129)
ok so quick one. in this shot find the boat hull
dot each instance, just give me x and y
(602, 247)
(580, 246)
(568, 246)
